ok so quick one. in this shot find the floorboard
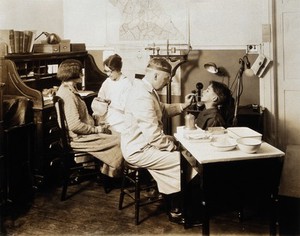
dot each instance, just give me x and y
(93, 212)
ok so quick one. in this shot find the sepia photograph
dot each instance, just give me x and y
(149, 117)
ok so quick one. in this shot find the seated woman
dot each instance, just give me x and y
(217, 100)
(84, 135)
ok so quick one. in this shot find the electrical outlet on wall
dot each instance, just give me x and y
(253, 49)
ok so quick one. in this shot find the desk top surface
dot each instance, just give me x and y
(204, 152)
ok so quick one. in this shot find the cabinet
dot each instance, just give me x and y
(27, 75)
(2, 163)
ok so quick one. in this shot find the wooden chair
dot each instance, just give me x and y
(85, 167)
(135, 180)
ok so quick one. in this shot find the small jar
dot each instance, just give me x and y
(189, 121)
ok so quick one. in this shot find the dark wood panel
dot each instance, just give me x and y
(27, 75)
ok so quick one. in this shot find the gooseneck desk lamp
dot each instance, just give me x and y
(52, 38)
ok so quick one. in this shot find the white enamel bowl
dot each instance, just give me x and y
(248, 145)
(223, 147)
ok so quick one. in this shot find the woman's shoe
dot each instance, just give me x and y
(107, 183)
(153, 194)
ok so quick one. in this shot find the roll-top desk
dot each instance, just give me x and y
(27, 75)
(2, 164)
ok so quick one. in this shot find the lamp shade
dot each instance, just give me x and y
(214, 69)
(248, 71)
(211, 67)
(52, 38)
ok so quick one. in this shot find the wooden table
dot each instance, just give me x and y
(203, 157)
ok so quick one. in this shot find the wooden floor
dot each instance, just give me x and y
(93, 212)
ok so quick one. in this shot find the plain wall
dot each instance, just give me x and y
(193, 72)
(36, 15)
(75, 22)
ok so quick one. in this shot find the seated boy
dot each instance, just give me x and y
(218, 103)
(217, 100)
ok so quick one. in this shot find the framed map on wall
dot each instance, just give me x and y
(143, 22)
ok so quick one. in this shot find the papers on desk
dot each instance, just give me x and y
(47, 100)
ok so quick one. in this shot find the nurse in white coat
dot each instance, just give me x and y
(109, 106)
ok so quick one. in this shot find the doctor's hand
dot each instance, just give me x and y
(188, 99)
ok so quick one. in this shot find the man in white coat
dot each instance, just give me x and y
(143, 142)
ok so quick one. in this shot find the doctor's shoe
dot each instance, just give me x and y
(176, 216)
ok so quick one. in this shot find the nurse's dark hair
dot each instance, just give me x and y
(69, 69)
(114, 62)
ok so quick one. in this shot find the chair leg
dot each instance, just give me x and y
(65, 186)
(133, 176)
(137, 197)
(122, 193)
(64, 192)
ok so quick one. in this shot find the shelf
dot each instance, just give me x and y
(37, 77)
(44, 56)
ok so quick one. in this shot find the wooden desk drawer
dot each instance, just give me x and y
(49, 115)
(51, 131)
(53, 147)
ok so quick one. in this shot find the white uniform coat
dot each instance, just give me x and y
(143, 142)
(116, 92)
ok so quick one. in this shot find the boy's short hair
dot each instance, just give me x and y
(225, 102)
(114, 62)
(222, 91)
(69, 69)
(160, 64)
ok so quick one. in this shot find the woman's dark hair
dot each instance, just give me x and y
(114, 62)
(225, 102)
(69, 69)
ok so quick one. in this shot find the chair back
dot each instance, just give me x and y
(62, 122)
(78, 165)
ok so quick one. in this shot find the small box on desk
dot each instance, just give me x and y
(45, 48)
(78, 47)
(64, 45)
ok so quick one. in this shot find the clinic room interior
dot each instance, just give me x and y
(149, 117)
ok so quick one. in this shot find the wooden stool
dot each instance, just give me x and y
(132, 185)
